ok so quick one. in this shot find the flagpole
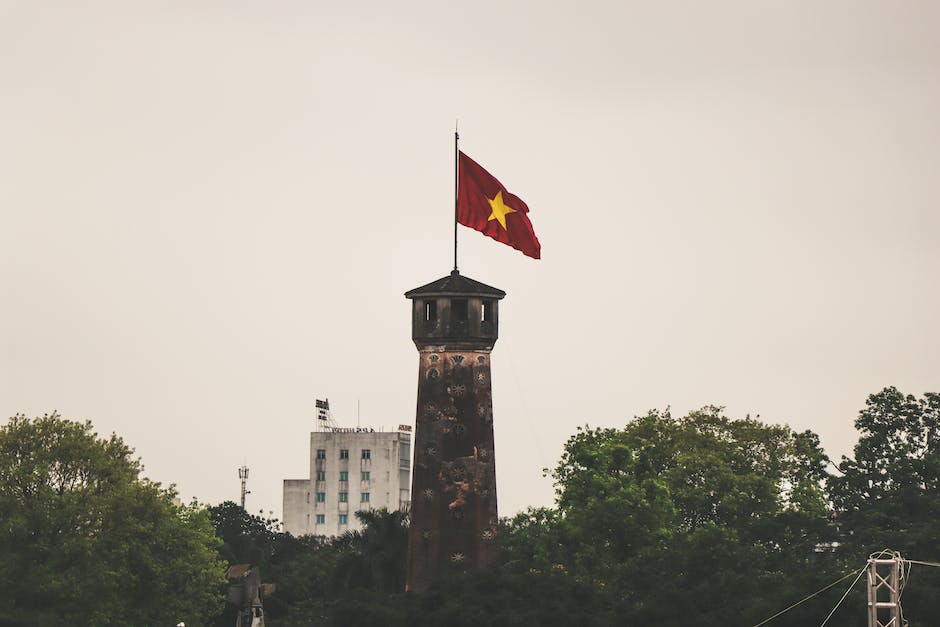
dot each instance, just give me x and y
(456, 169)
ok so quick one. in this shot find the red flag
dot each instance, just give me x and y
(484, 204)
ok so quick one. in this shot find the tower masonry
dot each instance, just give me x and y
(453, 501)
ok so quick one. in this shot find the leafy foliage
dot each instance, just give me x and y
(312, 572)
(86, 540)
(702, 520)
(681, 517)
(375, 557)
(639, 487)
(246, 538)
(888, 495)
(894, 474)
(489, 597)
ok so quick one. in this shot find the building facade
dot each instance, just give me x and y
(453, 513)
(351, 469)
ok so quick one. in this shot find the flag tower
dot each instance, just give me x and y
(454, 325)
(453, 496)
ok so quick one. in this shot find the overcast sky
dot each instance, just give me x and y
(209, 212)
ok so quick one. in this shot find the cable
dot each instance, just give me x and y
(525, 406)
(934, 564)
(849, 589)
(885, 554)
(905, 576)
(821, 590)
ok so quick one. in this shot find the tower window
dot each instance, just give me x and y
(364, 497)
(344, 453)
(343, 519)
(344, 475)
(366, 453)
(459, 309)
(321, 497)
(321, 453)
(430, 310)
(321, 519)
(343, 497)
(488, 310)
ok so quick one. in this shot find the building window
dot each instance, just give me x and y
(344, 453)
(343, 519)
(321, 453)
(321, 497)
(343, 497)
(321, 475)
(366, 475)
(321, 519)
(366, 454)
(364, 497)
(343, 475)
(308, 497)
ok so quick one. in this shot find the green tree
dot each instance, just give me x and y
(888, 495)
(316, 576)
(890, 486)
(304, 572)
(303, 569)
(86, 540)
(535, 540)
(487, 597)
(246, 538)
(374, 557)
(700, 513)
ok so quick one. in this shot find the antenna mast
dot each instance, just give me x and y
(243, 475)
(325, 420)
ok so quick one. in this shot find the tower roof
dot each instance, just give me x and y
(455, 283)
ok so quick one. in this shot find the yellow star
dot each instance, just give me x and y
(499, 209)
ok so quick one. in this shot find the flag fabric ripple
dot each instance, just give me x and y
(484, 204)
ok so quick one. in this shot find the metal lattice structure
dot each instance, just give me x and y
(243, 476)
(884, 591)
(324, 420)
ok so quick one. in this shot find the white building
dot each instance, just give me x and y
(351, 469)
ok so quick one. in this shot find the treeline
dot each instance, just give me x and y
(695, 520)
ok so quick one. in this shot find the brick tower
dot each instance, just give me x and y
(454, 324)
